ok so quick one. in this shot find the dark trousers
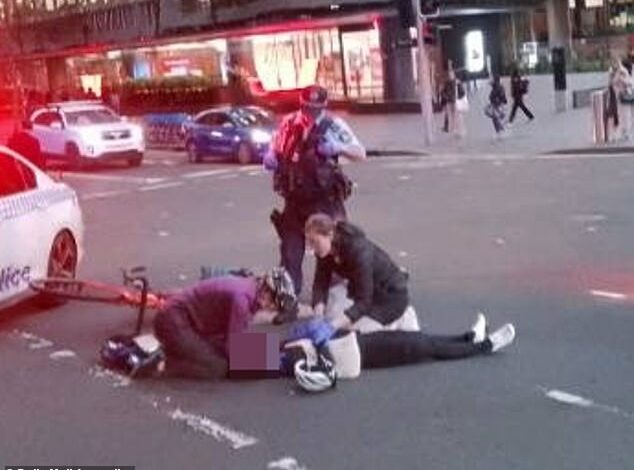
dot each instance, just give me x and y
(497, 123)
(519, 103)
(188, 353)
(394, 348)
(292, 240)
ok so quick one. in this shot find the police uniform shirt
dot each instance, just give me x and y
(339, 131)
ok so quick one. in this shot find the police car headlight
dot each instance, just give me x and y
(260, 137)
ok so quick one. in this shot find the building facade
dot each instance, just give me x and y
(358, 50)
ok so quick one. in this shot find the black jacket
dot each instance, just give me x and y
(497, 97)
(518, 86)
(376, 284)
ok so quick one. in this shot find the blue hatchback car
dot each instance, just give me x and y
(240, 133)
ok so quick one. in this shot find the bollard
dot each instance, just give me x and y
(599, 128)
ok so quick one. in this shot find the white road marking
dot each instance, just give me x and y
(255, 173)
(62, 354)
(182, 277)
(608, 295)
(228, 177)
(115, 178)
(591, 229)
(576, 400)
(117, 380)
(285, 463)
(500, 241)
(588, 218)
(405, 177)
(568, 398)
(103, 195)
(156, 187)
(579, 156)
(221, 433)
(248, 168)
(34, 341)
(403, 254)
(163, 233)
(204, 174)
(422, 164)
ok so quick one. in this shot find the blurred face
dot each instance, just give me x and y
(265, 300)
(319, 243)
(311, 113)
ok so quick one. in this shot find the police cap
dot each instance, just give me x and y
(314, 96)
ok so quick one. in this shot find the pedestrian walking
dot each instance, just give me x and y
(456, 103)
(519, 89)
(619, 112)
(497, 102)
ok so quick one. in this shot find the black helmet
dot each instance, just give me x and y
(314, 96)
(122, 353)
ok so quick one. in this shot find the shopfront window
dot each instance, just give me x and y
(296, 59)
(99, 71)
(364, 67)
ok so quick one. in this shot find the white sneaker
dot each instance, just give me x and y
(502, 337)
(479, 328)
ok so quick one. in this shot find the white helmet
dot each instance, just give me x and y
(316, 377)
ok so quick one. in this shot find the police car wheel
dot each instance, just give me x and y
(243, 154)
(192, 152)
(62, 263)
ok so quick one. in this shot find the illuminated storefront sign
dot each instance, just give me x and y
(474, 50)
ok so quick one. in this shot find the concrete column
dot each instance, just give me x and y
(398, 67)
(559, 36)
(557, 14)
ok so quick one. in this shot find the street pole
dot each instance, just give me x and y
(424, 79)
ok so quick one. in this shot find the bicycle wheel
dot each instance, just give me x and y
(79, 290)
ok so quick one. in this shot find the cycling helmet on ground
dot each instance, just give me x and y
(318, 376)
(123, 353)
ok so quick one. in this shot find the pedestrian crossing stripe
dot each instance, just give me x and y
(20, 204)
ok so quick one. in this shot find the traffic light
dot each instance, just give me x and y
(407, 15)
(429, 7)
(430, 33)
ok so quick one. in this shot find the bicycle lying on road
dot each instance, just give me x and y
(134, 292)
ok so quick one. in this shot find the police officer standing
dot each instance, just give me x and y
(305, 158)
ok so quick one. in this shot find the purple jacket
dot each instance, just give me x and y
(218, 306)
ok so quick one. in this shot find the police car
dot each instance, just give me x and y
(41, 227)
(83, 132)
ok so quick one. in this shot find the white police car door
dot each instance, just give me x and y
(22, 256)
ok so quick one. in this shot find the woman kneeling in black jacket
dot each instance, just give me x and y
(377, 286)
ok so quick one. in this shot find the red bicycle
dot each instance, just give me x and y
(134, 292)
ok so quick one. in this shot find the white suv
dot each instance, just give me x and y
(81, 132)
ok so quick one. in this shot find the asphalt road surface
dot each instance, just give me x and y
(545, 243)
